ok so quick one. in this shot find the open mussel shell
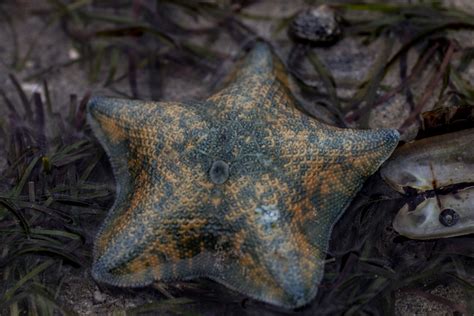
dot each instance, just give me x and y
(432, 163)
(440, 216)
(439, 171)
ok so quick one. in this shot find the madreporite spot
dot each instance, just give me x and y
(219, 172)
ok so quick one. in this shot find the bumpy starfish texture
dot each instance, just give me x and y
(241, 188)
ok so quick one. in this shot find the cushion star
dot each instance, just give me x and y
(241, 188)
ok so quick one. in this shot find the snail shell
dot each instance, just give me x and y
(318, 25)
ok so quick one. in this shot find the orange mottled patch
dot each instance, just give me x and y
(363, 166)
(259, 275)
(191, 227)
(114, 132)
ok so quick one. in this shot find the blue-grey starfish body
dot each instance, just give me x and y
(241, 188)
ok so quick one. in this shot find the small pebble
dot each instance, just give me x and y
(73, 54)
(99, 297)
(318, 25)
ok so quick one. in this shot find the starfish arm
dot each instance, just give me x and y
(135, 132)
(256, 78)
(157, 236)
(121, 119)
(267, 257)
(332, 164)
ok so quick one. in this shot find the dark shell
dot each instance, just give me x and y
(446, 119)
(316, 25)
(448, 217)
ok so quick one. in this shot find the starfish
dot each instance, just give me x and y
(241, 188)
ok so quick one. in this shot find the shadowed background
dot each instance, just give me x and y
(394, 60)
